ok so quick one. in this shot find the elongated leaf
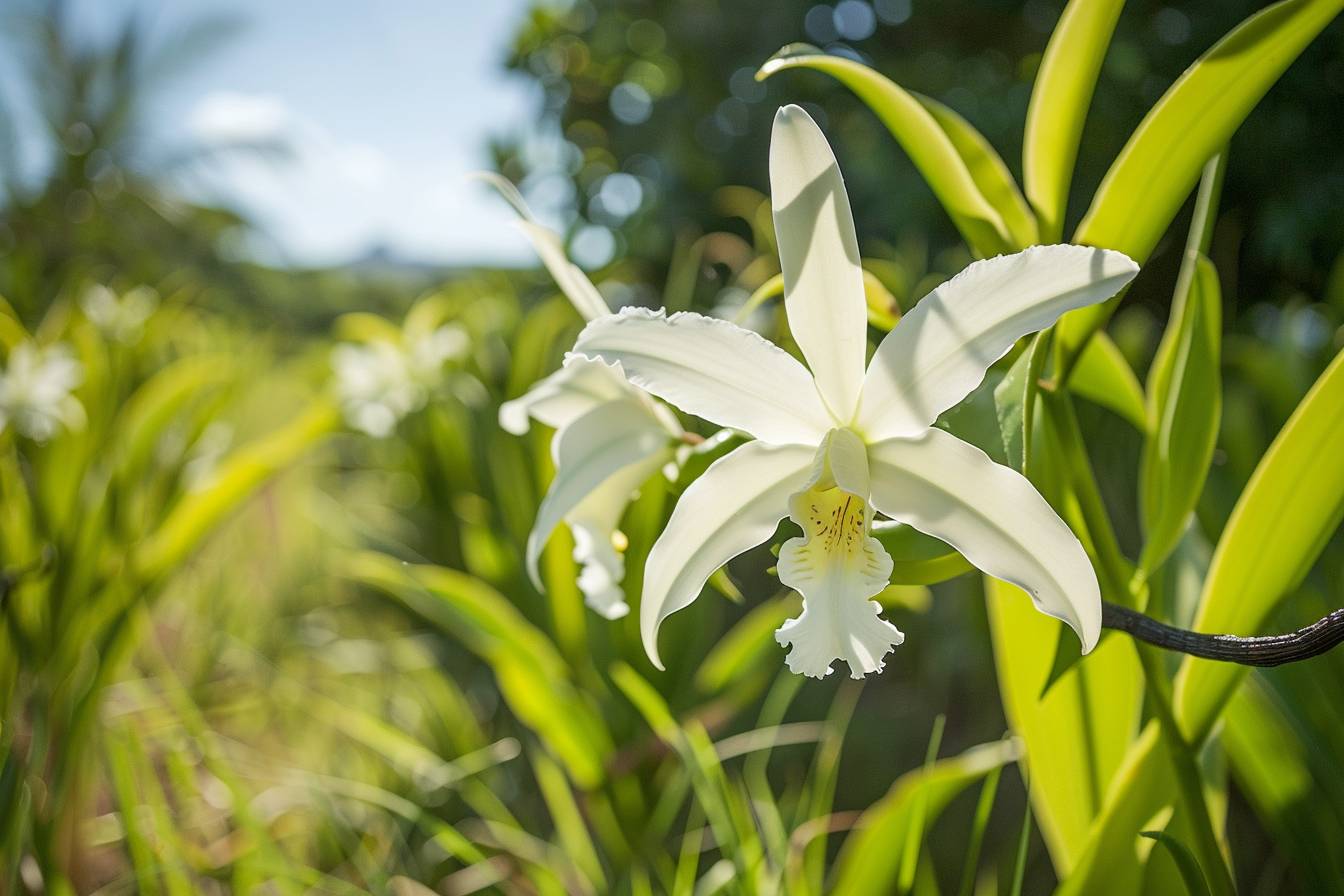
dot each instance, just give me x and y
(237, 479)
(533, 678)
(1191, 875)
(919, 559)
(1059, 102)
(871, 858)
(1154, 173)
(1104, 377)
(1185, 405)
(1076, 734)
(988, 171)
(922, 137)
(1291, 506)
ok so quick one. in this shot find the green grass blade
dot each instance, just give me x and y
(983, 807)
(914, 834)
(869, 861)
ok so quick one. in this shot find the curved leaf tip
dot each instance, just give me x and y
(784, 55)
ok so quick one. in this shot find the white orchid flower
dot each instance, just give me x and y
(610, 436)
(381, 381)
(35, 390)
(836, 444)
(120, 317)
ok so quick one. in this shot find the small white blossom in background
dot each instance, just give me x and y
(381, 382)
(591, 407)
(35, 391)
(123, 317)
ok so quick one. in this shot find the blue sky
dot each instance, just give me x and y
(386, 107)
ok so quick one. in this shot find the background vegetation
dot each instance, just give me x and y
(248, 647)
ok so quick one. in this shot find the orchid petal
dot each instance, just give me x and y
(573, 282)
(732, 507)
(593, 523)
(940, 350)
(819, 254)
(837, 566)
(564, 396)
(712, 369)
(608, 439)
(951, 490)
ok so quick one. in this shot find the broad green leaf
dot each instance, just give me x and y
(1191, 875)
(870, 860)
(1104, 377)
(1185, 404)
(988, 171)
(919, 559)
(1076, 734)
(1060, 99)
(924, 139)
(1290, 508)
(1159, 165)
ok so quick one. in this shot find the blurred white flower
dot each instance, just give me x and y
(835, 444)
(380, 382)
(119, 317)
(35, 390)
(610, 436)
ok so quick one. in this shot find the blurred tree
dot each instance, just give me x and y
(652, 108)
(97, 206)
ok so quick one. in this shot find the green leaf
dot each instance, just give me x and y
(1288, 774)
(533, 678)
(988, 171)
(919, 559)
(1185, 405)
(745, 647)
(1060, 99)
(1014, 402)
(1104, 377)
(870, 860)
(934, 153)
(1191, 875)
(236, 480)
(1159, 165)
(1076, 734)
(1290, 508)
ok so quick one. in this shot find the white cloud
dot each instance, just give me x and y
(229, 117)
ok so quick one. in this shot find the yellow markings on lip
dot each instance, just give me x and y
(840, 525)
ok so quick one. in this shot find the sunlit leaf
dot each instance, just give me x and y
(1159, 165)
(1059, 103)
(870, 860)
